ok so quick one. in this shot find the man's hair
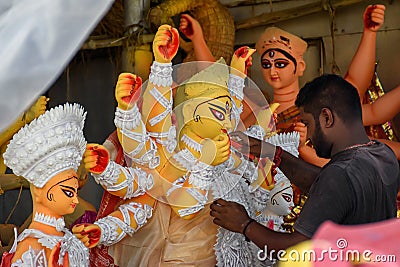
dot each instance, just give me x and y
(333, 92)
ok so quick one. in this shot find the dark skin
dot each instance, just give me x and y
(337, 137)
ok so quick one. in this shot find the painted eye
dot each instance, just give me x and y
(281, 64)
(217, 114)
(68, 193)
(266, 64)
(287, 197)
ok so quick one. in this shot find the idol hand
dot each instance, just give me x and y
(165, 44)
(127, 90)
(96, 158)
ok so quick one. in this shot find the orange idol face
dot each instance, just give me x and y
(60, 194)
(279, 70)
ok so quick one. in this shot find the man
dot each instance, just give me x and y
(358, 185)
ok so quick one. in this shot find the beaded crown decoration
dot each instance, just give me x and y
(52, 143)
(274, 37)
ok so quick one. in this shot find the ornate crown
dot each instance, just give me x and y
(274, 37)
(287, 141)
(52, 143)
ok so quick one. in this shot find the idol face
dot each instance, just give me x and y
(279, 69)
(211, 116)
(281, 198)
(60, 194)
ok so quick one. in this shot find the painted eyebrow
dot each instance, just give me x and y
(273, 196)
(70, 187)
(216, 106)
(282, 59)
(68, 178)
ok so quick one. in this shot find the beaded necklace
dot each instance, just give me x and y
(360, 145)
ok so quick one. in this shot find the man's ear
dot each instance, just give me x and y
(326, 118)
(301, 66)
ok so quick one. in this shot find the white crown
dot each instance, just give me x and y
(287, 141)
(255, 131)
(50, 144)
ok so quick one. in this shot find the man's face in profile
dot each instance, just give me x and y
(316, 135)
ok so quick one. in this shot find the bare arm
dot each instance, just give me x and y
(362, 65)
(192, 29)
(309, 155)
(299, 172)
(383, 109)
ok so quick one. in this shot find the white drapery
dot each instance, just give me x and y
(37, 40)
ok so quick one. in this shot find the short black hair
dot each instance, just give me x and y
(333, 92)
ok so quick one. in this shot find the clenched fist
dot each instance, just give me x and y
(127, 90)
(374, 17)
(89, 234)
(96, 158)
(242, 60)
(165, 44)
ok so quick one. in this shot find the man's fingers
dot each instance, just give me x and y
(221, 202)
(218, 221)
(214, 213)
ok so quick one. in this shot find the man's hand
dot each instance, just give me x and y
(242, 60)
(89, 234)
(216, 151)
(252, 147)
(165, 44)
(127, 90)
(229, 215)
(96, 158)
(190, 28)
(302, 130)
(374, 16)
